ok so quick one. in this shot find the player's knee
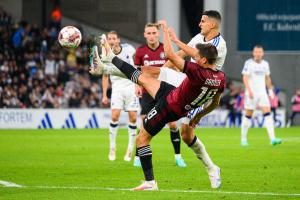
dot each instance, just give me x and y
(115, 118)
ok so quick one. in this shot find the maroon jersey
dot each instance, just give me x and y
(200, 85)
(145, 56)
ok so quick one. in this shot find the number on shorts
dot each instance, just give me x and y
(151, 114)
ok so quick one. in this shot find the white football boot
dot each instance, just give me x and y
(147, 185)
(128, 156)
(214, 175)
(112, 155)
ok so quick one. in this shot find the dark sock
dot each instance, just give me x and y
(136, 149)
(145, 155)
(129, 71)
(175, 138)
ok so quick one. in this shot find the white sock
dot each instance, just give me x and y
(113, 129)
(269, 123)
(113, 70)
(131, 136)
(177, 156)
(200, 151)
(246, 122)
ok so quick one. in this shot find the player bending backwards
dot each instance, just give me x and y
(256, 77)
(152, 54)
(122, 98)
(203, 84)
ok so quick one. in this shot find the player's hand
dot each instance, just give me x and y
(138, 91)
(172, 35)
(105, 100)
(162, 24)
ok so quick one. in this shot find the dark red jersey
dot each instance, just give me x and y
(200, 85)
(145, 56)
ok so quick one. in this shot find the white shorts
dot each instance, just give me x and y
(259, 100)
(124, 99)
(171, 76)
(190, 115)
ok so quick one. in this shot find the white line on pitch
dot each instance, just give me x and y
(9, 184)
(164, 190)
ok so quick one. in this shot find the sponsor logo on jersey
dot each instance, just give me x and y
(154, 62)
(146, 56)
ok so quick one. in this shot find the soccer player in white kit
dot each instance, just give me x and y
(122, 98)
(256, 77)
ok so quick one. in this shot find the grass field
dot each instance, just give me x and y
(73, 164)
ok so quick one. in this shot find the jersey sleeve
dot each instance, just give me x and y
(192, 71)
(246, 69)
(138, 57)
(222, 51)
(193, 42)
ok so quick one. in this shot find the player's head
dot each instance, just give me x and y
(258, 53)
(210, 20)
(208, 54)
(152, 33)
(113, 39)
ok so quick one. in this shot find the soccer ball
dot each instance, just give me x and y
(69, 37)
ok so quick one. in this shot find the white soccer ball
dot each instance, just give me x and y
(69, 37)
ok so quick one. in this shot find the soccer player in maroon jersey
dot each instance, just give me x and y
(152, 54)
(203, 84)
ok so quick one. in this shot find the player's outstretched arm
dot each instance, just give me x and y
(170, 54)
(215, 103)
(188, 51)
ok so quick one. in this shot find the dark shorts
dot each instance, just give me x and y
(147, 103)
(160, 114)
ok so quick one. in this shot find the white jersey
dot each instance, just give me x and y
(257, 73)
(126, 54)
(173, 79)
(218, 42)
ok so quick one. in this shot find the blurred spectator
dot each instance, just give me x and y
(275, 102)
(295, 108)
(35, 72)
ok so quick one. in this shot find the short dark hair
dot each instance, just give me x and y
(113, 33)
(208, 51)
(213, 14)
(258, 46)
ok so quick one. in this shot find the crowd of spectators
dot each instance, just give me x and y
(37, 73)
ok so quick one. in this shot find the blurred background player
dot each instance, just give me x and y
(122, 98)
(295, 108)
(256, 77)
(152, 54)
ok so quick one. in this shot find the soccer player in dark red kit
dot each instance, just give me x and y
(152, 54)
(203, 84)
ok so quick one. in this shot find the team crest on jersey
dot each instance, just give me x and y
(146, 56)
(162, 55)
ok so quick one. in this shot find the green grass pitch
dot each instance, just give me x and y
(73, 164)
